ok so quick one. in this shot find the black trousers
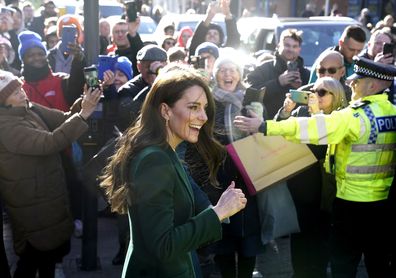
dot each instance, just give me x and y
(33, 260)
(360, 228)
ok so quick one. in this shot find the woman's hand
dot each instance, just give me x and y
(249, 124)
(91, 98)
(313, 104)
(288, 104)
(231, 201)
(108, 78)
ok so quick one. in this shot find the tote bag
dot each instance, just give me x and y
(266, 160)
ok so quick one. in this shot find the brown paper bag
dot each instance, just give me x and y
(265, 160)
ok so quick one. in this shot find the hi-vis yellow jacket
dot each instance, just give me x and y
(364, 135)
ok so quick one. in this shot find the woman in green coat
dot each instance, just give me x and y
(146, 179)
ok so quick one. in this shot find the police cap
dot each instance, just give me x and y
(368, 68)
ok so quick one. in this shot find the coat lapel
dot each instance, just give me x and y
(181, 172)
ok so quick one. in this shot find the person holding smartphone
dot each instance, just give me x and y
(69, 47)
(32, 176)
(285, 71)
(380, 48)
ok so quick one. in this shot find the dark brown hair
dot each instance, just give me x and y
(150, 129)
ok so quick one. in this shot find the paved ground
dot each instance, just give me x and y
(271, 264)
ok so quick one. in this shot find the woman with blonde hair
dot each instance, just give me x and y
(313, 191)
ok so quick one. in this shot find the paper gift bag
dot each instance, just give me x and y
(265, 160)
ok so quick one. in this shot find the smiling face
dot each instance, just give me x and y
(119, 79)
(35, 57)
(228, 77)
(186, 117)
(289, 49)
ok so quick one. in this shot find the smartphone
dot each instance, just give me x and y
(300, 97)
(69, 33)
(198, 62)
(292, 65)
(253, 95)
(91, 76)
(388, 48)
(131, 10)
(105, 62)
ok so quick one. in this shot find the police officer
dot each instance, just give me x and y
(362, 155)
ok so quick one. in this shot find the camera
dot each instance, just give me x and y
(198, 62)
(133, 8)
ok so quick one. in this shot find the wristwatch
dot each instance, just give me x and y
(263, 128)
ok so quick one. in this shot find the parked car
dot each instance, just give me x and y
(106, 7)
(182, 20)
(320, 32)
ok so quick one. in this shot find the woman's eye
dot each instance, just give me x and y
(194, 107)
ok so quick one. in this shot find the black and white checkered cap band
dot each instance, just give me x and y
(370, 73)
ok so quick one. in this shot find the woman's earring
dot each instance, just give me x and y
(166, 122)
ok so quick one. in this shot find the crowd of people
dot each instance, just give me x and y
(165, 112)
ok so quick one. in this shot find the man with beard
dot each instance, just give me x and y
(286, 71)
(40, 83)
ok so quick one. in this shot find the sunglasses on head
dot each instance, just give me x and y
(331, 70)
(321, 92)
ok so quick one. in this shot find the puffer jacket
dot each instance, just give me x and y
(32, 181)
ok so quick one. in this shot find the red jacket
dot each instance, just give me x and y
(47, 92)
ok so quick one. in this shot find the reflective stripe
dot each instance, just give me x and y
(371, 169)
(303, 122)
(373, 147)
(373, 131)
(322, 132)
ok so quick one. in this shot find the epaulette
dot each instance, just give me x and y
(360, 104)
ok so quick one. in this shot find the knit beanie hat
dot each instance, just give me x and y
(207, 47)
(69, 19)
(125, 66)
(8, 84)
(27, 40)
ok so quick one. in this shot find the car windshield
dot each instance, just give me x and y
(316, 38)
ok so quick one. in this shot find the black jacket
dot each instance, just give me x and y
(136, 44)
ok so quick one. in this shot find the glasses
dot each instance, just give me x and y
(331, 70)
(321, 92)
